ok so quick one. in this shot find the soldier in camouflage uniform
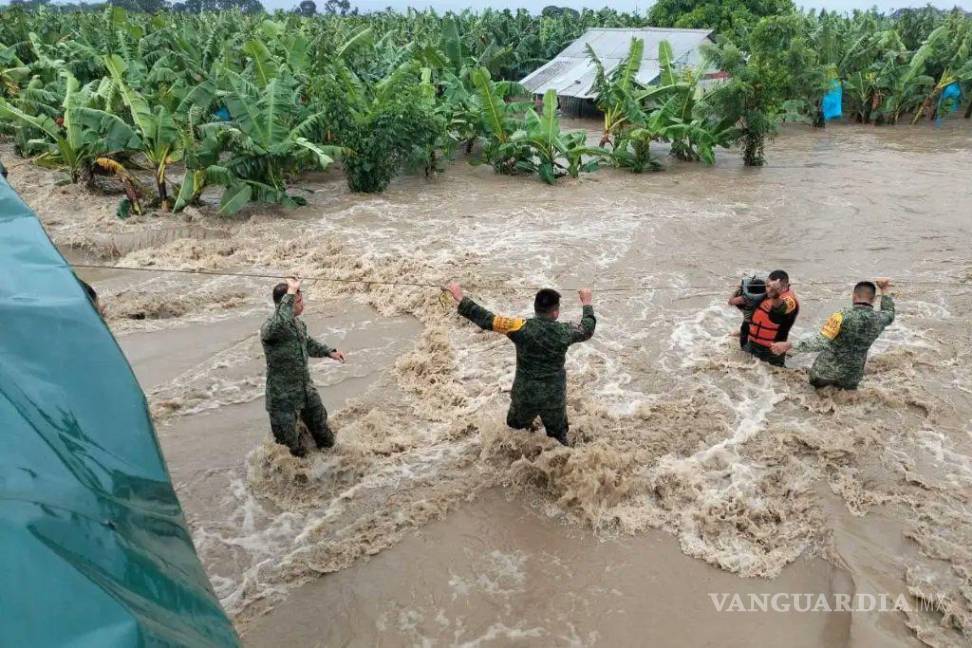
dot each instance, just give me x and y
(540, 385)
(846, 338)
(290, 390)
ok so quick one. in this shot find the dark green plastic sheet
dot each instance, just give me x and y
(94, 548)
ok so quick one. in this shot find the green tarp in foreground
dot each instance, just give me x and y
(94, 548)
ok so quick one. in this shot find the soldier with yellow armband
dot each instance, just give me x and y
(540, 386)
(846, 338)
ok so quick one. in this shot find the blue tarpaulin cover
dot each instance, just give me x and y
(832, 101)
(94, 548)
(948, 101)
(951, 98)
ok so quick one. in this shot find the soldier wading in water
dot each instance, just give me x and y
(846, 338)
(290, 390)
(540, 386)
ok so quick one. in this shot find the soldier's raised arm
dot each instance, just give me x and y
(584, 331)
(482, 317)
(283, 315)
(887, 301)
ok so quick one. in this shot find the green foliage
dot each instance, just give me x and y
(80, 135)
(668, 111)
(732, 20)
(749, 100)
(266, 143)
(539, 146)
(780, 47)
(617, 92)
(114, 89)
(384, 134)
(496, 119)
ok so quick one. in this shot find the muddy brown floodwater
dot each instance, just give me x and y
(697, 472)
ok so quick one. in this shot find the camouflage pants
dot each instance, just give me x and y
(554, 419)
(283, 424)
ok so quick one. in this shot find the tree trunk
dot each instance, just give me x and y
(819, 121)
(163, 191)
(753, 151)
(968, 111)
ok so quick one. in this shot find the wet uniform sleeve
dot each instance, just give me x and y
(583, 331)
(487, 320)
(282, 318)
(779, 313)
(820, 341)
(887, 309)
(316, 349)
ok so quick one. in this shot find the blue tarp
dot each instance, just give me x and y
(951, 98)
(832, 100)
(94, 548)
(948, 101)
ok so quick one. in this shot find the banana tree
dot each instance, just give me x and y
(266, 141)
(83, 135)
(13, 71)
(202, 152)
(908, 84)
(37, 99)
(861, 88)
(957, 69)
(632, 150)
(616, 93)
(159, 135)
(497, 119)
(542, 149)
(671, 105)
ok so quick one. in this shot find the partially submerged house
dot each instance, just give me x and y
(572, 74)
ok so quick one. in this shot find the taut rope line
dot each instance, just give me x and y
(412, 284)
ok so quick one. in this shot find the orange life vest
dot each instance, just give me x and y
(763, 330)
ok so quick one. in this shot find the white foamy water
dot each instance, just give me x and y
(747, 467)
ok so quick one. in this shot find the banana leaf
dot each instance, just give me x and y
(234, 198)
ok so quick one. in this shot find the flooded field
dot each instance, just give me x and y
(696, 470)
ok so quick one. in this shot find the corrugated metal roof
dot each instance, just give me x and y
(572, 75)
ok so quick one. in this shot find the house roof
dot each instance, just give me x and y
(571, 73)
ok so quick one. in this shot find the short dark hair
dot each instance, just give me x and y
(779, 275)
(546, 301)
(865, 290)
(278, 292)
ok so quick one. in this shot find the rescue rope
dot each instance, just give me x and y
(376, 282)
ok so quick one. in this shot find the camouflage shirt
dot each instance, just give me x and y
(287, 347)
(844, 342)
(541, 350)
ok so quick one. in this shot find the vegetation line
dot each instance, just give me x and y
(171, 101)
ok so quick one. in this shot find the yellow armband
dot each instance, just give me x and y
(832, 327)
(507, 325)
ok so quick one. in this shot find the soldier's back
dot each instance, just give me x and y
(541, 348)
(843, 363)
